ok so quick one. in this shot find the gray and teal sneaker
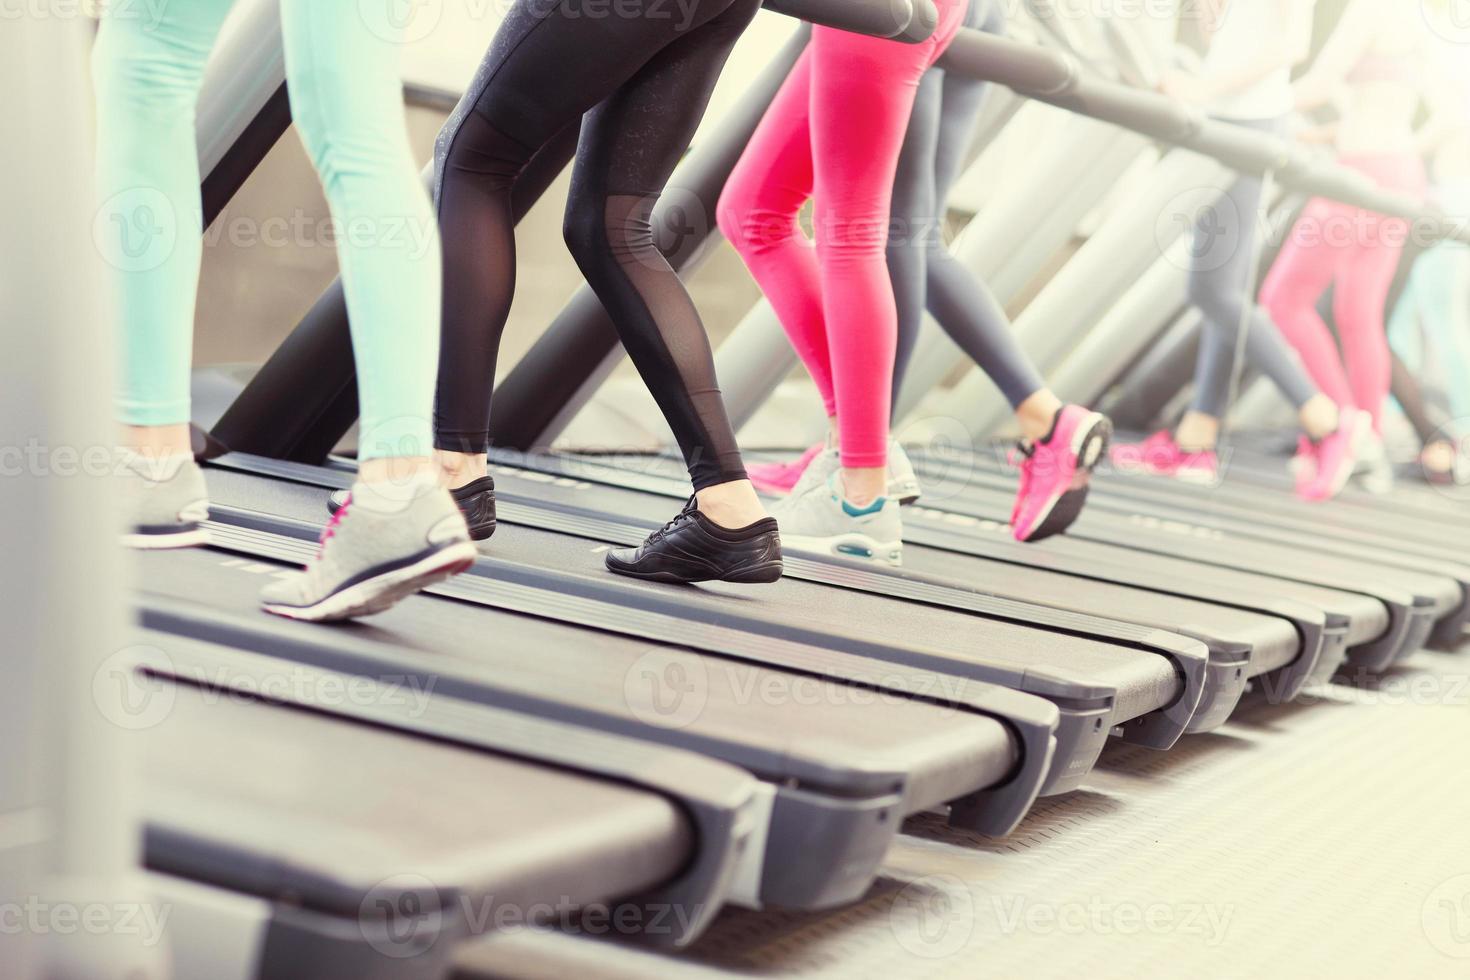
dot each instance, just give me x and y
(166, 501)
(819, 519)
(385, 543)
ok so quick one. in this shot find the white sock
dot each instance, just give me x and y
(155, 467)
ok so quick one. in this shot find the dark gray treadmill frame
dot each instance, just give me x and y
(716, 797)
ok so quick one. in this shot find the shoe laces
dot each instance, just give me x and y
(330, 531)
(675, 521)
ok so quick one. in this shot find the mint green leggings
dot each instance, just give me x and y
(346, 97)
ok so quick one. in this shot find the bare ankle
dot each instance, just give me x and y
(730, 505)
(158, 441)
(1319, 416)
(1036, 414)
(865, 485)
(457, 469)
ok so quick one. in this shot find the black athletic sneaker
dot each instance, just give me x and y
(476, 501)
(693, 548)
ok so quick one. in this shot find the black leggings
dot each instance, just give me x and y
(639, 82)
(924, 273)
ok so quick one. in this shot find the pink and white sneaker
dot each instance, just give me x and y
(1055, 473)
(1335, 459)
(781, 477)
(1160, 455)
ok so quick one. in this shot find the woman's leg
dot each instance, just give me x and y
(347, 103)
(758, 212)
(630, 145)
(398, 530)
(1297, 279)
(1362, 285)
(962, 304)
(855, 155)
(147, 77)
(548, 65)
(914, 223)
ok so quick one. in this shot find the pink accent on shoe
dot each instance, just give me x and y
(781, 477)
(332, 525)
(1160, 455)
(1335, 459)
(1055, 474)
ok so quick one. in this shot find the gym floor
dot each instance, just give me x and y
(1184, 863)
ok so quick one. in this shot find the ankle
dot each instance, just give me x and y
(1037, 413)
(156, 442)
(394, 469)
(861, 487)
(457, 469)
(1319, 417)
(731, 505)
(1197, 432)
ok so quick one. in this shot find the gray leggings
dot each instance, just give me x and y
(1221, 283)
(923, 272)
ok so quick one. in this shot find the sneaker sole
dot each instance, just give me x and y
(858, 546)
(1089, 446)
(383, 591)
(191, 538)
(759, 574)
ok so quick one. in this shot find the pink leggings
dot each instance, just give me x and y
(833, 134)
(1356, 252)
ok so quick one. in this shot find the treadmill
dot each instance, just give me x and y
(277, 856)
(1414, 600)
(546, 552)
(843, 748)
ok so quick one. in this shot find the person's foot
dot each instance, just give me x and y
(1055, 473)
(1334, 459)
(1161, 455)
(820, 519)
(1371, 465)
(692, 548)
(386, 542)
(819, 462)
(166, 502)
(476, 501)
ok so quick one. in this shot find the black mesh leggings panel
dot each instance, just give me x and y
(640, 83)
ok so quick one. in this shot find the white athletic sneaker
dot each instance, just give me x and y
(820, 520)
(1372, 467)
(166, 501)
(903, 484)
(386, 542)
